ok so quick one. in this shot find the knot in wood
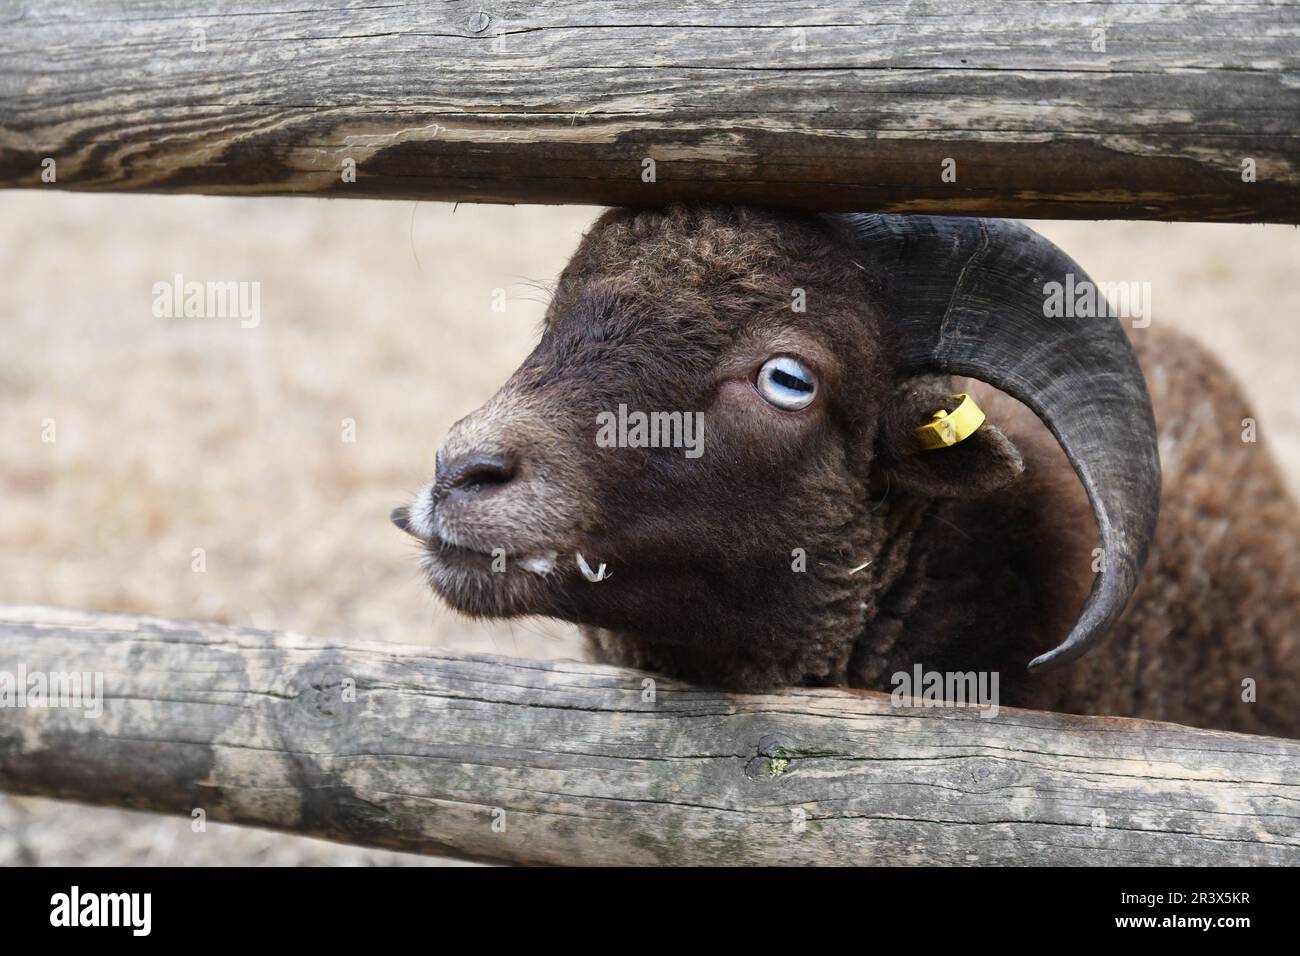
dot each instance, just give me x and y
(324, 695)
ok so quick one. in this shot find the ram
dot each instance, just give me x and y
(836, 529)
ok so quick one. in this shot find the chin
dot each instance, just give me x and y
(464, 579)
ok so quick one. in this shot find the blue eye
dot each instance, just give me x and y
(787, 383)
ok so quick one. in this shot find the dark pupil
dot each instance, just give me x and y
(790, 381)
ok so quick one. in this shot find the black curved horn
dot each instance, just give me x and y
(966, 297)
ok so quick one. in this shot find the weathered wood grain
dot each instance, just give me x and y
(584, 765)
(829, 105)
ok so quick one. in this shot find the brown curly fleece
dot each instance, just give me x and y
(1219, 600)
(977, 557)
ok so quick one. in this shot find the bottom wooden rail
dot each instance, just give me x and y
(559, 762)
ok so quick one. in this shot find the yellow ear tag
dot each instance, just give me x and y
(948, 429)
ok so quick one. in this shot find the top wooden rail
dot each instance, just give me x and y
(1053, 109)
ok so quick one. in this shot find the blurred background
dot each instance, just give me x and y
(176, 434)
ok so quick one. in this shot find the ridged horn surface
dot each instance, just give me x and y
(967, 297)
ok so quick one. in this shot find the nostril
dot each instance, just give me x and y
(479, 472)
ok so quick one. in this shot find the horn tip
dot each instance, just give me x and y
(1046, 662)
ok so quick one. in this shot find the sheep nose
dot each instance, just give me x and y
(474, 473)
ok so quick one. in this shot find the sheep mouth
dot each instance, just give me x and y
(497, 561)
(482, 584)
(502, 581)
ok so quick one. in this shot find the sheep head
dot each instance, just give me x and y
(781, 363)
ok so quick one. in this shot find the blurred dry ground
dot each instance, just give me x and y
(176, 434)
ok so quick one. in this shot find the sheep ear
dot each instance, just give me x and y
(978, 464)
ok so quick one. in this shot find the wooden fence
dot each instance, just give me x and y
(1054, 109)
(560, 762)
